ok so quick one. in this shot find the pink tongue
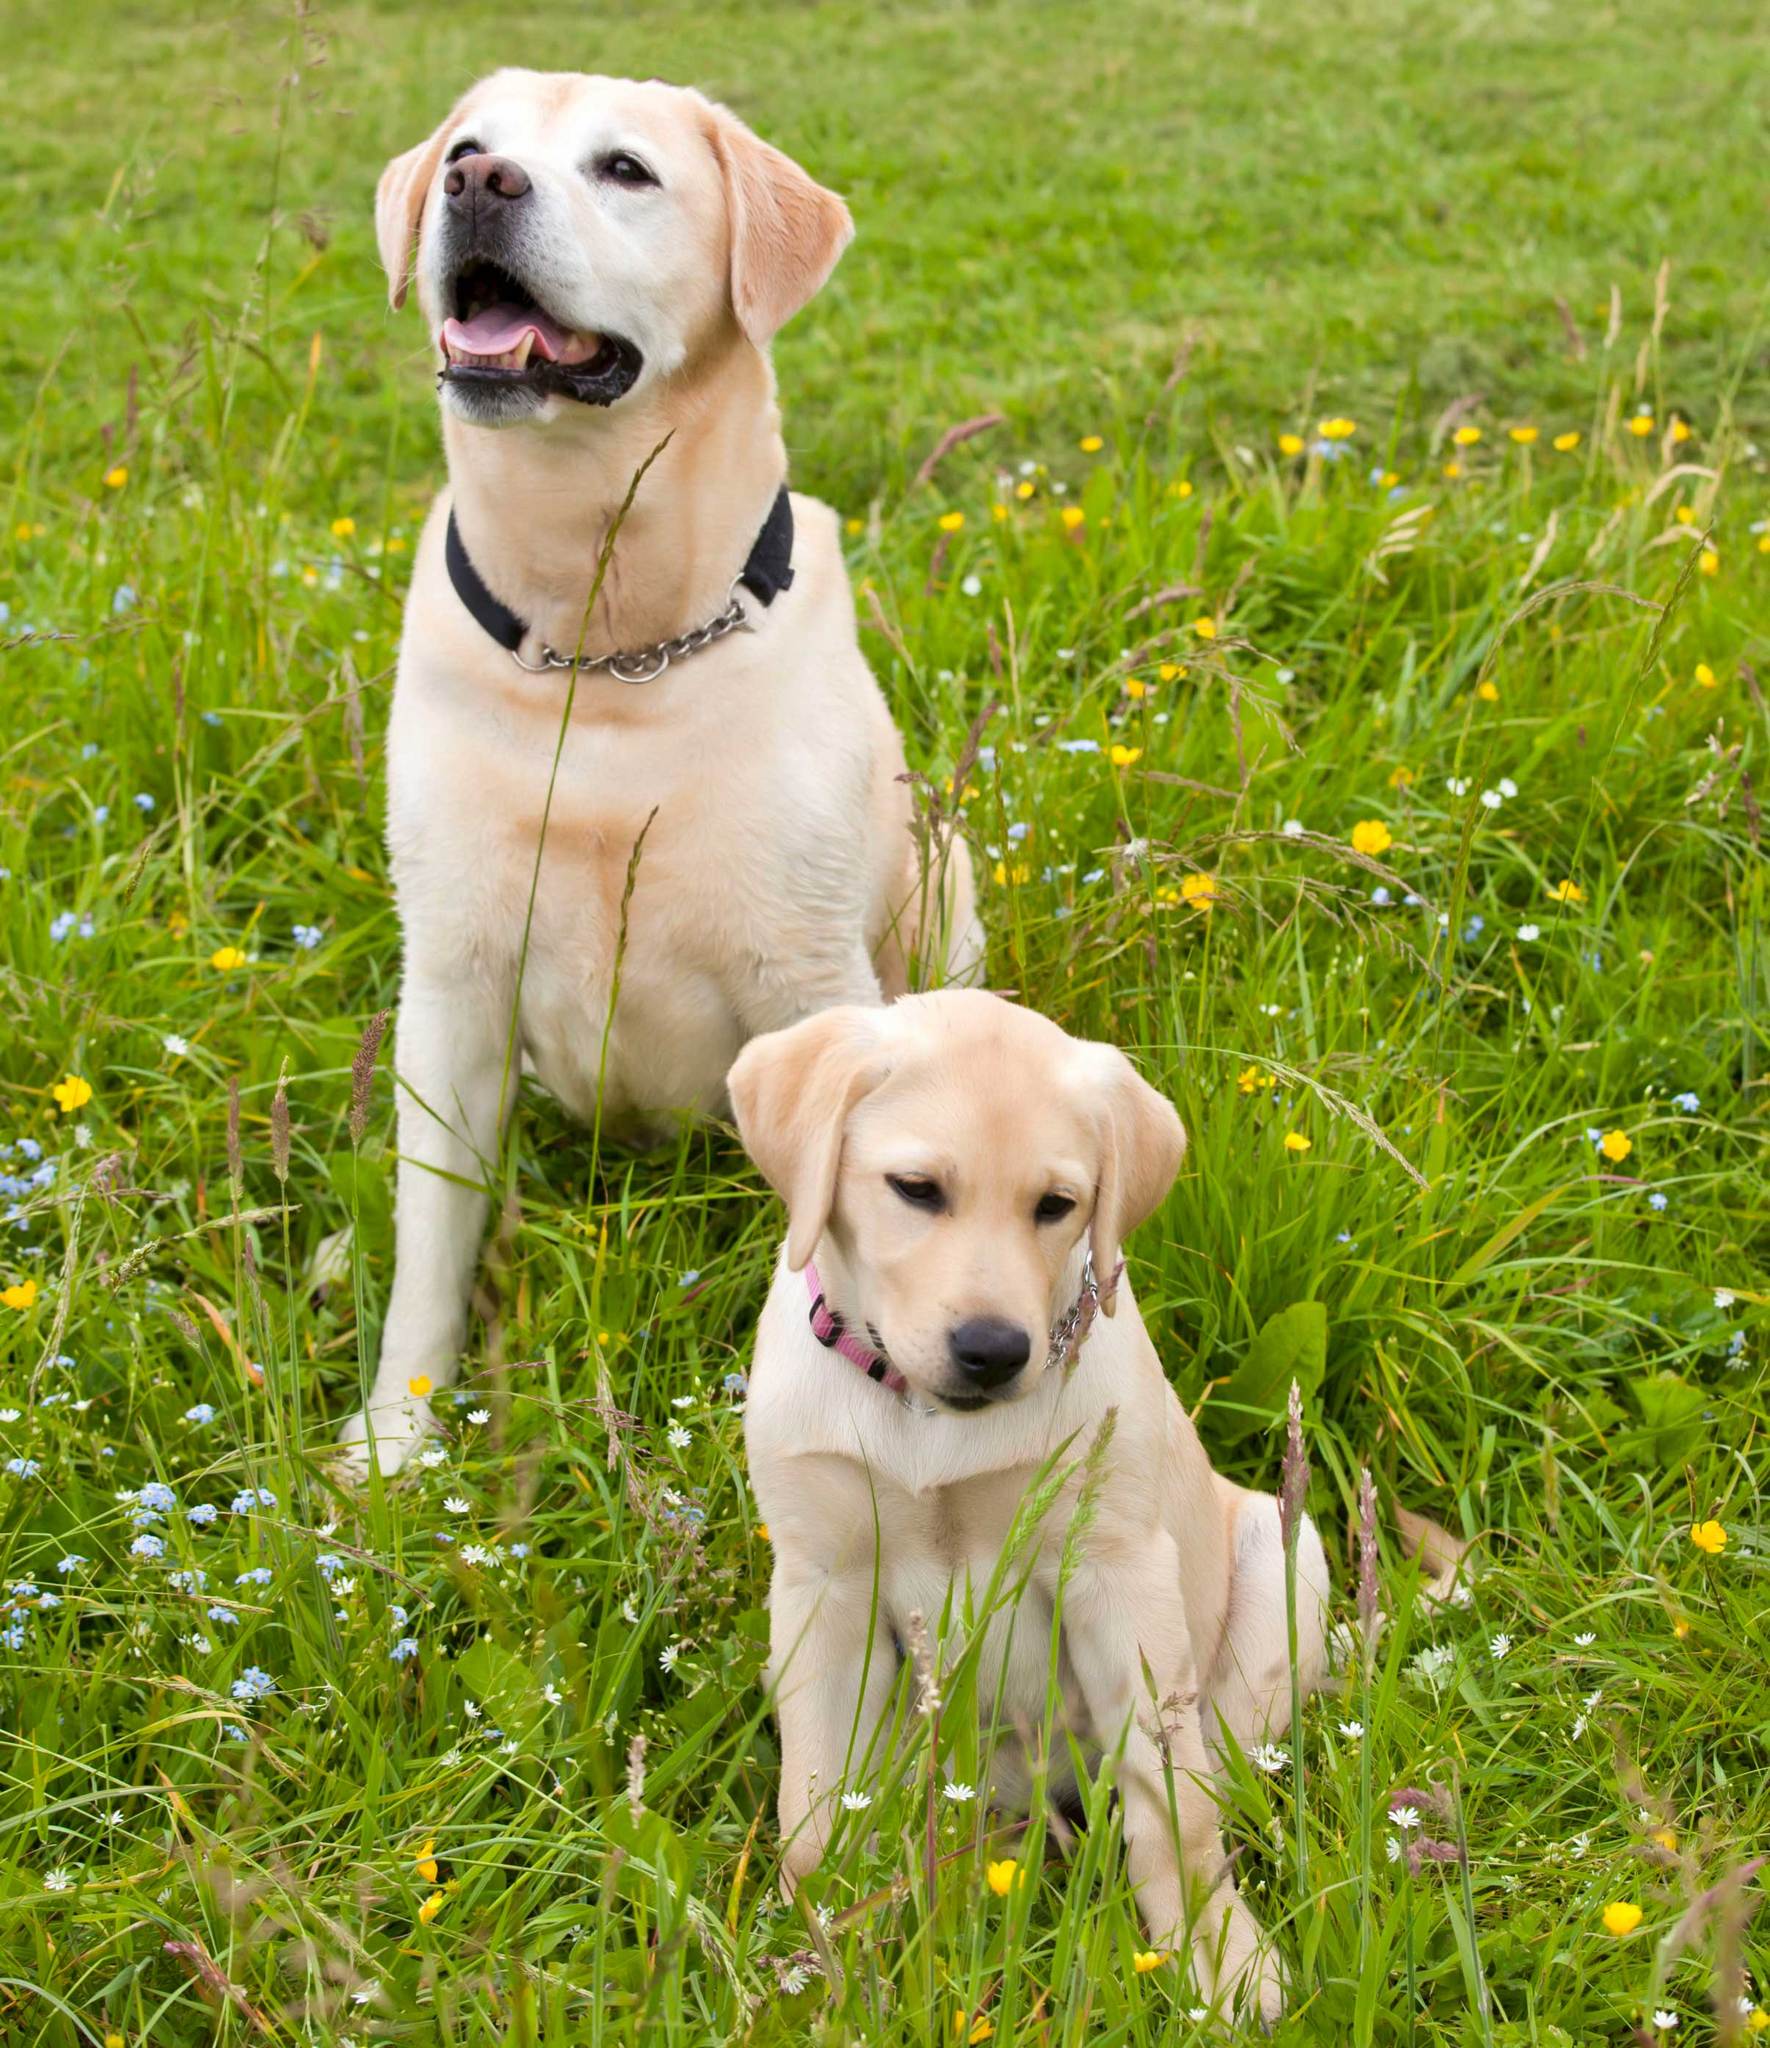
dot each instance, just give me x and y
(495, 330)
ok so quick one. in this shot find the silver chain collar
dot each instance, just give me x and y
(1070, 1331)
(645, 664)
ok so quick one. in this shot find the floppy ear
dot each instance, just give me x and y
(1142, 1145)
(399, 203)
(791, 1092)
(786, 230)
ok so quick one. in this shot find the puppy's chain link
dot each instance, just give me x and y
(645, 664)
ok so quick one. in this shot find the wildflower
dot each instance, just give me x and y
(1567, 892)
(951, 522)
(1709, 562)
(1499, 1648)
(1488, 690)
(455, 1505)
(431, 1907)
(1290, 444)
(1524, 436)
(1251, 1080)
(147, 1545)
(680, 1438)
(1024, 489)
(226, 958)
(1337, 429)
(1616, 1146)
(1000, 1876)
(1294, 1141)
(1641, 425)
(1453, 470)
(1688, 1101)
(251, 1497)
(1529, 933)
(21, 1294)
(343, 528)
(856, 1802)
(1198, 892)
(256, 1575)
(1294, 828)
(1124, 757)
(1404, 1817)
(116, 478)
(175, 1045)
(1090, 444)
(71, 1094)
(202, 1412)
(306, 936)
(1621, 1916)
(1665, 2020)
(1565, 444)
(1682, 430)
(1268, 1757)
(58, 1881)
(960, 1794)
(1146, 1960)
(1372, 836)
(1072, 516)
(1724, 1297)
(253, 1684)
(479, 1415)
(1206, 629)
(1709, 1537)
(419, 1385)
(203, 1513)
(425, 1861)
(1656, 1200)
(404, 1650)
(1466, 437)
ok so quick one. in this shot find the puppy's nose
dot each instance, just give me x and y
(989, 1350)
(495, 176)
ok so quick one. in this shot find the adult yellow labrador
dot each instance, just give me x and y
(959, 1176)
(601, 266)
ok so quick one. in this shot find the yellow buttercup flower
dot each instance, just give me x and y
(1181, 487)
(1621, 1916)
(22, 1294)
(1290, 444)
(950, 522)
(980, 2024)
(419, 1385)
(1146, 1960)
(431, 1907)
(1122, 756)
(1524, 436)
(1567, 892)
(853, 525)
(116, 478)
(1466, 437)
(1198, 892)
(1757, 2019)
(1684, 515)
(1294, 1141)
(1017, 875)
(1170, 671)
(1252, 1079)
(226, 958)
(1704, 675)
(343, 527)
(1681, 430)
(1565, 444)
(1709, 1537)
(1641, 425)
(1488, 690)
(1072, 517)
(1400, 778)
(1337, 429)
(998, 510)
(1371, 835)
(1453, 470)
(1616, 1146)
(71, 1094)
(1090, 444)
(1000, 1876)
(1135, 689)
(425, 1862)
(1709, 562)
(1025, 488)
(1206, 629)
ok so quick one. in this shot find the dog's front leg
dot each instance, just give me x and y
(450, 1067)
(832, 1679)
(1124, 1616)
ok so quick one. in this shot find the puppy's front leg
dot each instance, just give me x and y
(1123, 1610)
(450, 1065)
(831, 1685)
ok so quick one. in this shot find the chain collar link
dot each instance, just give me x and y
(645, 664)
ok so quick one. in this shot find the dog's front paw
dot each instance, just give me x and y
(1237, 1967)
(399, 1427)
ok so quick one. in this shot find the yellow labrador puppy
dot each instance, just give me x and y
(601, 266)
(959, 1176)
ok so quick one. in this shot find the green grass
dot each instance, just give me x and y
(1370, 215)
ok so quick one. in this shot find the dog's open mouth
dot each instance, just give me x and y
(500, 337)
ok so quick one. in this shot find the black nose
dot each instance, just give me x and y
(989, 1350)
(495, 176)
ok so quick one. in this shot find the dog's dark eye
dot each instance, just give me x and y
(1052, 1208)
(623, 168)
(916, 1189)
(461, 149)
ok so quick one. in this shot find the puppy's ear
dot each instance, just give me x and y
(786, 230)
(791, 1092)
(399, 204)
(1142, 1144)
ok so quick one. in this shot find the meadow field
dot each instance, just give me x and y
(1345, 658)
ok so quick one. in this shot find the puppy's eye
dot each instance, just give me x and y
(917, 1190)
(623, 168)
(1052, 1208)
(465, 148)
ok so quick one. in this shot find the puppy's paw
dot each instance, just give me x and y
(399, 1428)
(1236, 1965)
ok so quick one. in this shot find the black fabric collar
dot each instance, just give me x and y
(765, 574)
